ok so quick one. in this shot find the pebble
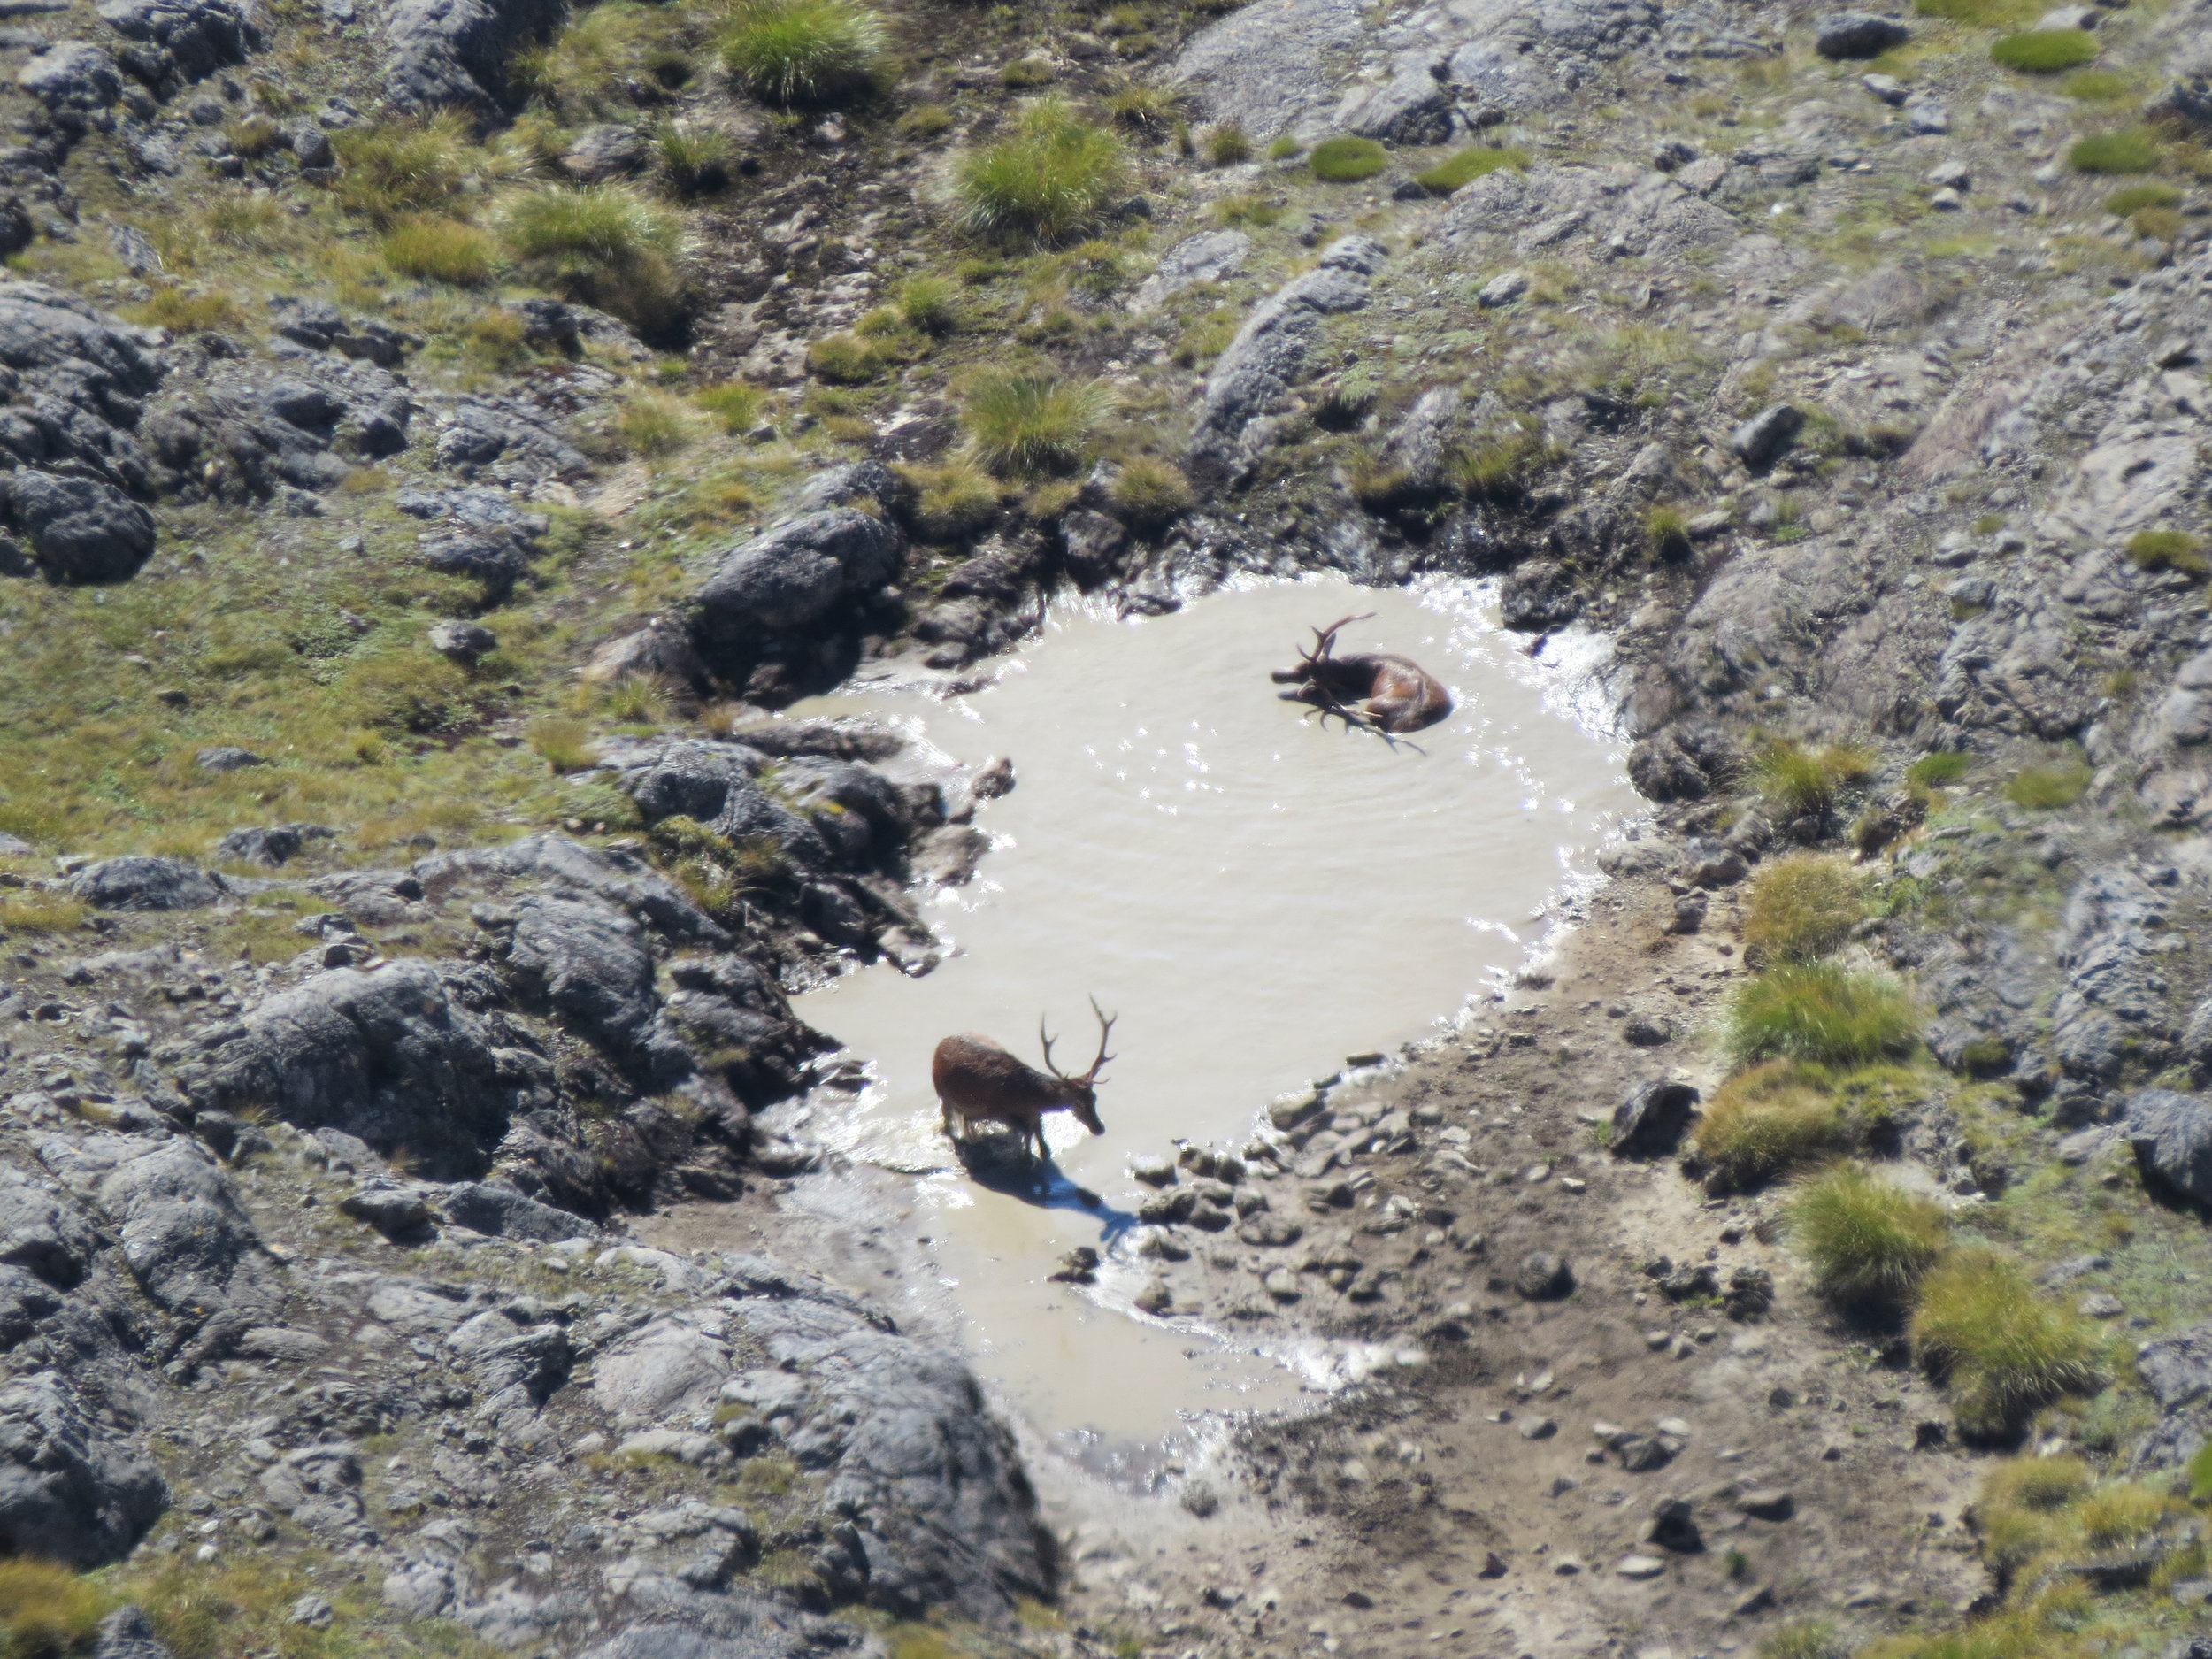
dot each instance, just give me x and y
(1539, 1428)
(1639, 1567)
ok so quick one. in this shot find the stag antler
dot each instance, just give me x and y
(1325, 639)
(1105, 1030)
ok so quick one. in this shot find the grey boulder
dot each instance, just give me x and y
(173, 43)
(1759, 441)
(1651, 1120)
(71, 1490)
(270, 844)
(127, 1633)
(797, 574)
(585, 960)
(600, 153)
(71, 79)
(1857, 34)
(2171, 1135)
(396, 1055)
(139, 882)
(2177, 1369)
(80, 529)
(506, 1212)
(191, 1246)
(442, 53)
(463, 642)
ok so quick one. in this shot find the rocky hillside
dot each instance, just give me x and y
(438, 438)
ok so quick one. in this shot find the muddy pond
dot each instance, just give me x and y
(1257, 897)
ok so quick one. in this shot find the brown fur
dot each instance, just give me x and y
(978, 1080)
(1384, 692)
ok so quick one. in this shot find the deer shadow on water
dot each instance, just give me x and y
(1003, 1162)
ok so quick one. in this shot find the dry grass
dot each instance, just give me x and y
(2005, 1350)
(1801, 908)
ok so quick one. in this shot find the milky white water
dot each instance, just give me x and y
(1255, 896)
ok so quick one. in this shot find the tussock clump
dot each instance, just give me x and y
(565, 745)
(432, 249)
(604, 245)
(1347, 160)
(1464, 166)
(1801, 908)
(1149, 493)
(2166, 549)
(1803, 782)
(654, 424)
(390, 171)
(695, 161)
(1052, 177)
(2004, 1350)
(1821, 1013)
(46, 1610)
(1936, 771)
(1868, 1241)
(953, 501)
(930, 303)
(2045, 51)
(804, 51)
(36, 912)
(1225, 146)
(1768, 1121)
(2049, 788)
(2131, 150)
(1025, 421)
(736, 406)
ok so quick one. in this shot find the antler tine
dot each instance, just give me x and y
(1045, 1042)
(1326, 638)
(1105, 1030)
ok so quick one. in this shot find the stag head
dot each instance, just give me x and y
(1080, 1093)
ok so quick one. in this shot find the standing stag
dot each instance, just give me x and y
(1384, 694)
(978, 1080)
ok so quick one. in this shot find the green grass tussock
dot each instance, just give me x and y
(1022, 422)
(1823, 1014)
(2131, 150)
(737, 406)
(2049, 788)
(1147, 493)
(605, 245)
(1868, 1240)
(433, 249)
(1050, 179)
(2004, 1350)
(1768, 1121)
(1801, 908)
(804, 53)
(2166, 549)
(2133, 198)
(695, 161)
(1347, 160)
(2044, 51)
(399, 168)
(46, 1610)
(1936, 771)
(1803, 782)
(953, 501)
(1464, 166)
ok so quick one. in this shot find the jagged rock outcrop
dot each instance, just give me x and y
(1250, 382)
(453, 54)
(75, 381)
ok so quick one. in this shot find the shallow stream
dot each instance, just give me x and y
(1257, 897)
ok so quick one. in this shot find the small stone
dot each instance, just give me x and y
(1768, 1503)
(463, 642)
(1950, 174)
(1502, 290)
(227, 759)
(1639, 1567)
(1673, 1525)
(1843, 34)
(312, 1612)
(1566, 1566)
(1155, 1172)
(1492, 1566)
(1947, 201)
(1539, 1428)
(2100, 1304)
(1926, 116)
(1154, 1297)
(1543, 1276)
(1759, 441)
(1889, 88)
(1199, 1498)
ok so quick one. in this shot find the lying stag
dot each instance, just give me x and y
(978, 1081)
(1386, 694)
